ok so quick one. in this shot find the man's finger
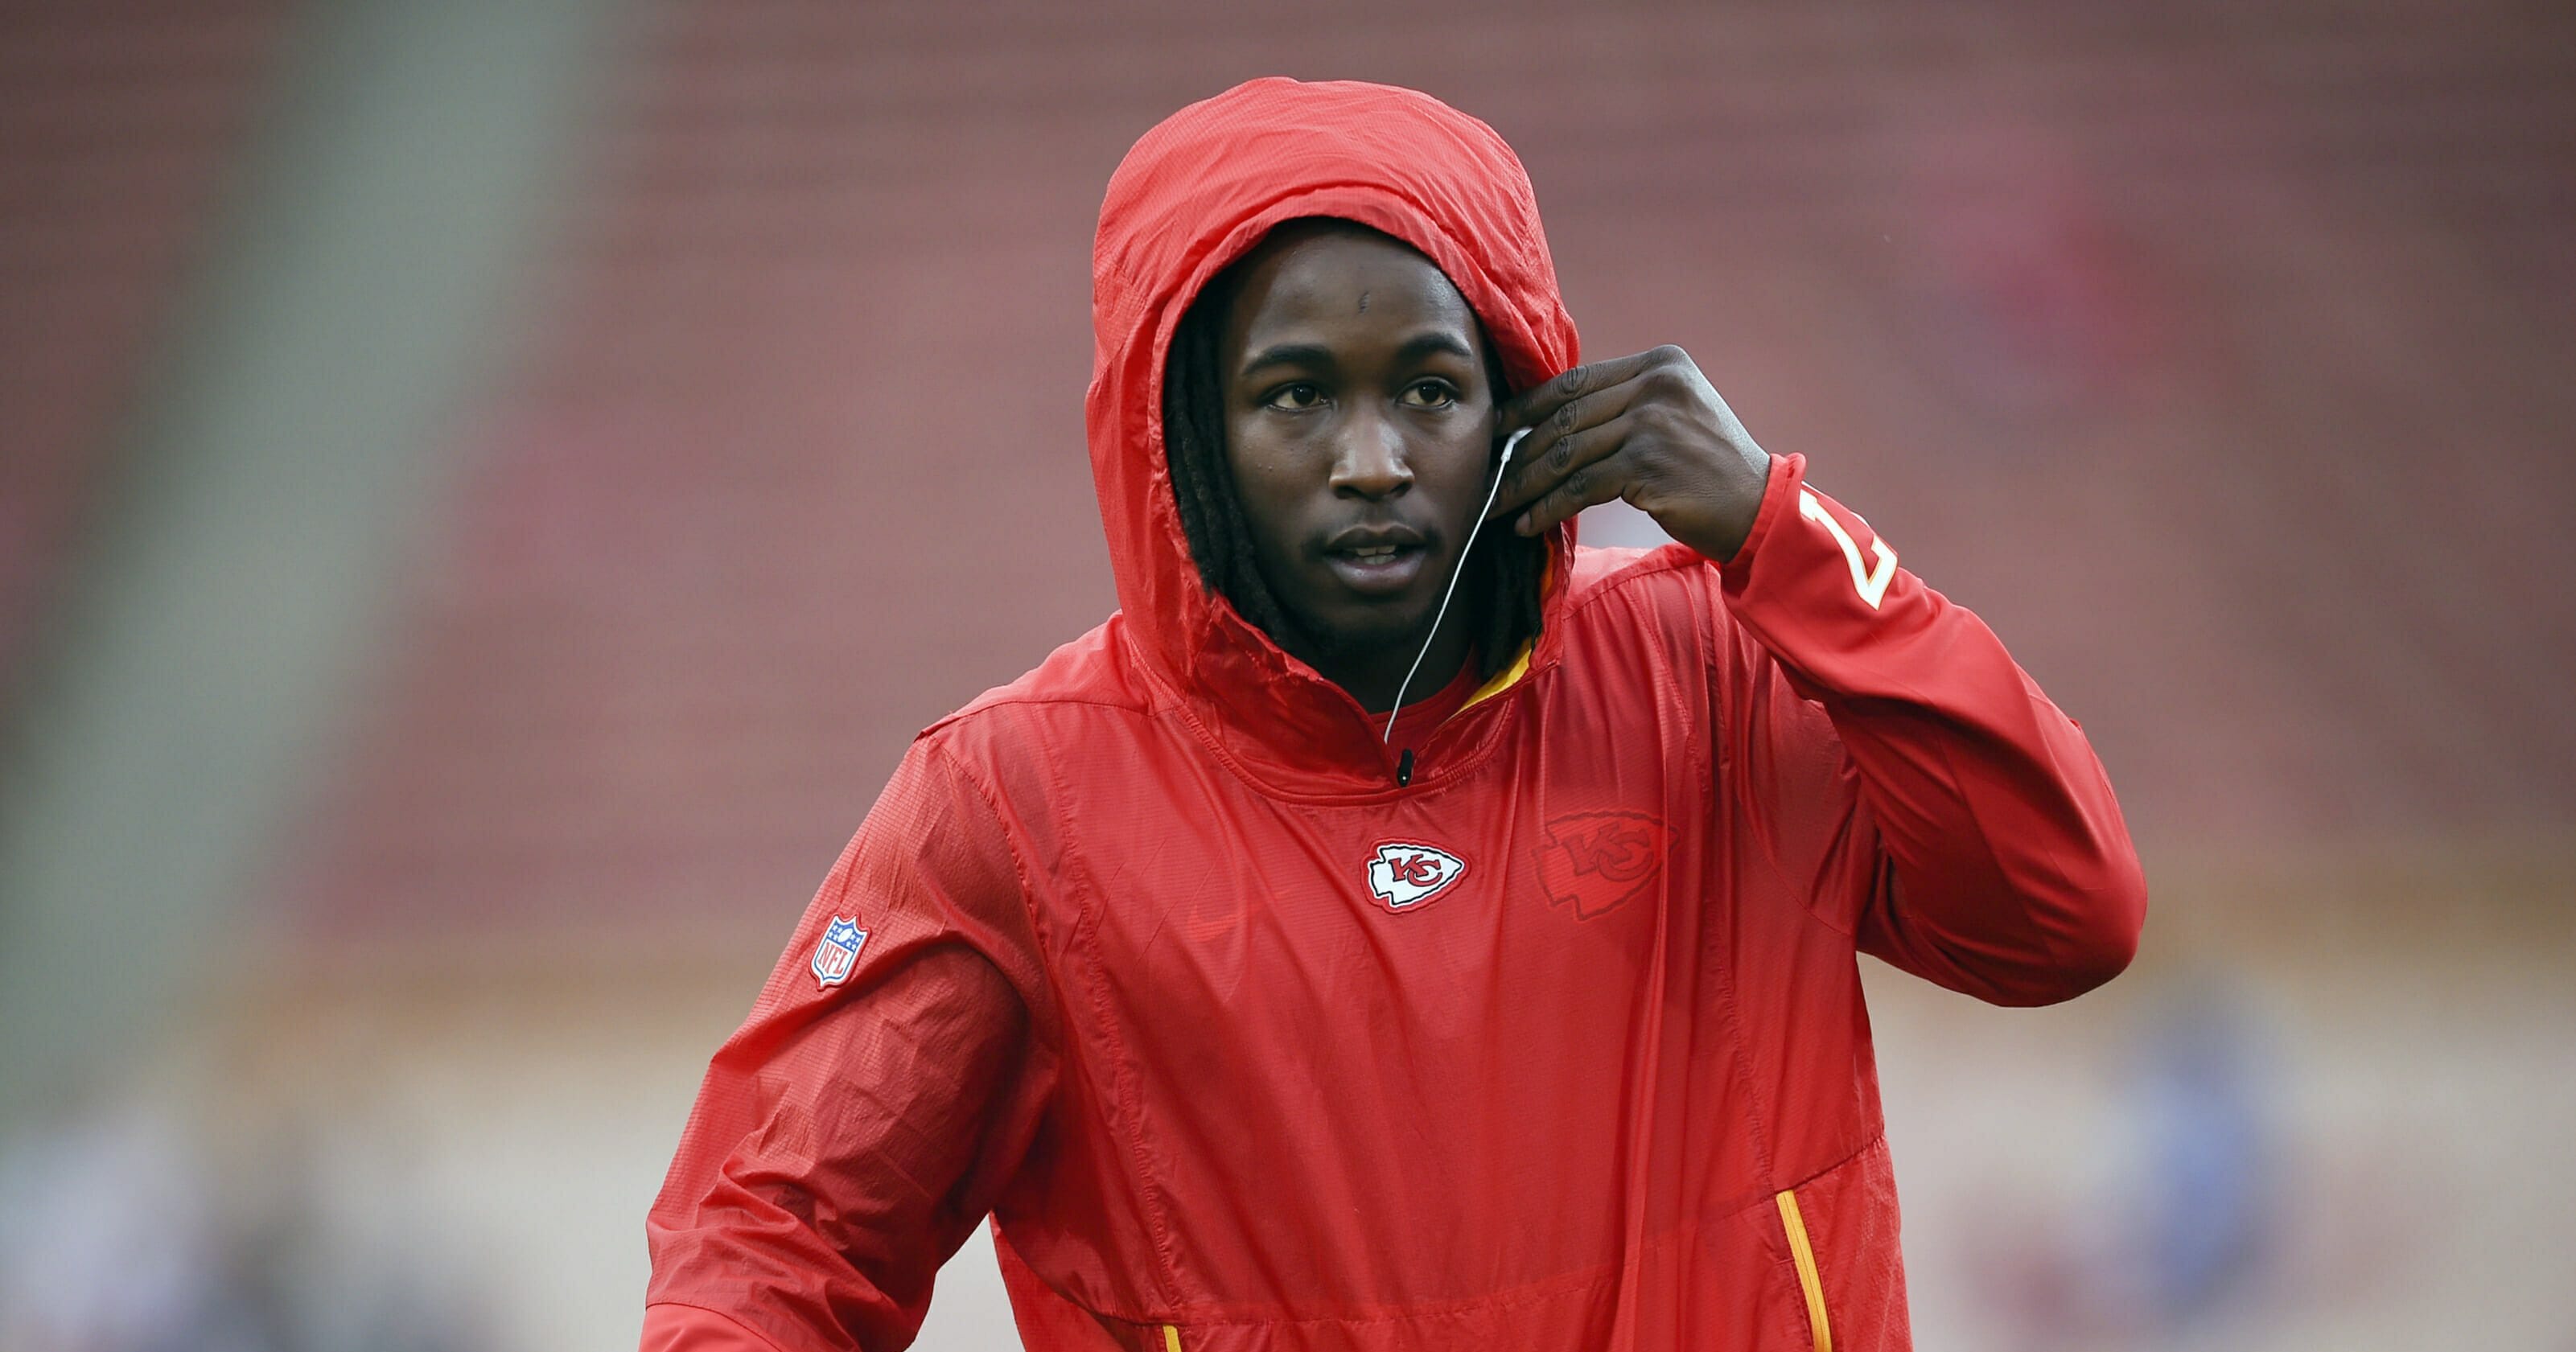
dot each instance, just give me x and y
(1588, 486)
(1544, 451)
(1532, 476)
(1533, 405)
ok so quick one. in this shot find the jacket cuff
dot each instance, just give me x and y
(1779, 494)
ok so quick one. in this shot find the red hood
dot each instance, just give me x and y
(1197, 192)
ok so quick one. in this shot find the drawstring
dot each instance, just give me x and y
(1510, 444)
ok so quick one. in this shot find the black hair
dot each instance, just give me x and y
(1501, 592)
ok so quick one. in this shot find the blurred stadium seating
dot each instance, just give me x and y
(2218, 356)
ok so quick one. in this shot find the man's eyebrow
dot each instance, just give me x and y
(1414, 349)
(1289, 354)
(1424, 344)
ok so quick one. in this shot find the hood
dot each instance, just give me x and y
(1196, 193)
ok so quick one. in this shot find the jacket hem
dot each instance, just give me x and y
(748, 1331)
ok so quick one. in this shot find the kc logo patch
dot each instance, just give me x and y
(1595, 861)
(1406, 877)
(838, 952)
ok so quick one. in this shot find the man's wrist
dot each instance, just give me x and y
(1748, 495)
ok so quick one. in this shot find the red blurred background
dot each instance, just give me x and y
(488, 490)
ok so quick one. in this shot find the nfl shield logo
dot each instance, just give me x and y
(839, 951)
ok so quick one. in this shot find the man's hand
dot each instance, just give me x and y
(1649, 429)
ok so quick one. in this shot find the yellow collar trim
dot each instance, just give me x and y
(1503, 680)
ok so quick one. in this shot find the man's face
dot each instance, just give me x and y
(1359, 425)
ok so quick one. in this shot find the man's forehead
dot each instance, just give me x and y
(1360, 283)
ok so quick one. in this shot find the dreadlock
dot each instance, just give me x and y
(1501, 591)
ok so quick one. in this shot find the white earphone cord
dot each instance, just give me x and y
(1510, 444)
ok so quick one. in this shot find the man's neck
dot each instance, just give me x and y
(1372, 677)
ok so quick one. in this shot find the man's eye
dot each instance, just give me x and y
(1430, 394)
(1296, 397)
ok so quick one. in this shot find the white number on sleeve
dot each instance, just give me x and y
(1872, 586)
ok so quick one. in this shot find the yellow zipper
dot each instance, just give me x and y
(1804, 1254)
(1171, 1338)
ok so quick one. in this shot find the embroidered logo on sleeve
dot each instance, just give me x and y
(1405, 877)
(838, 952)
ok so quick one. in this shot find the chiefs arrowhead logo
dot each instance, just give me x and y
(1595, 861)
(1406, 877)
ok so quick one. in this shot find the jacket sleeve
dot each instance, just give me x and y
(852, 1133)
(1952, 821)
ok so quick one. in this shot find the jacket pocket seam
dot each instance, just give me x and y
(1850, 1157)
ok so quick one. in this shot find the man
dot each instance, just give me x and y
(1262, 1009)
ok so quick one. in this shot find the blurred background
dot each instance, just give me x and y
(488, 488)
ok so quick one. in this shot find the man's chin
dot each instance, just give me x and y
(1362, 633)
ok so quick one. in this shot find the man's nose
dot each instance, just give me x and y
(1369, 459)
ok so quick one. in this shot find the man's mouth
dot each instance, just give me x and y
(1378, 568)
(1377, 559)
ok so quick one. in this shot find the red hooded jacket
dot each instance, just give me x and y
(1243, 1045)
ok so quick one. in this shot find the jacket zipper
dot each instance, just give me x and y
(1503, 680)
(1809, 1280)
